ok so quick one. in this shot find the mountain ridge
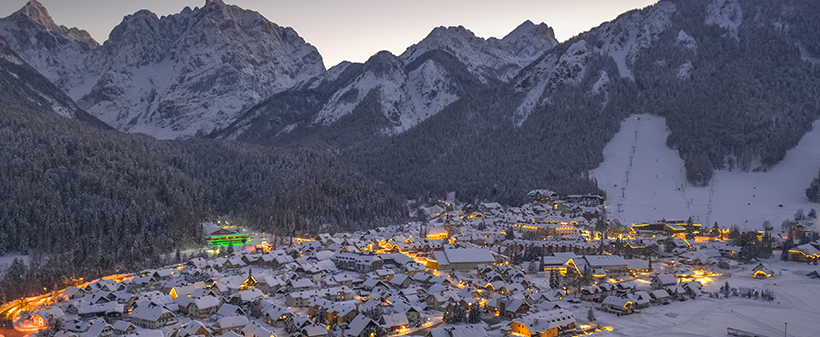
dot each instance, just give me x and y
(170, 77)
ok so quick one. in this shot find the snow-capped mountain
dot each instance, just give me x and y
(408, 89)
(621, 40)
(170, 77)
(61, 54)
(430, 75)
(489, 59)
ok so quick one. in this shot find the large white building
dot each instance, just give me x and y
(460, 258)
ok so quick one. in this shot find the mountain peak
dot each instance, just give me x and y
(527, 28)
(214, 2)
(38, 13)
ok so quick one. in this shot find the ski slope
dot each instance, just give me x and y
(646, 181)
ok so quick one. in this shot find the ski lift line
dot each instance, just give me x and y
(629, 165)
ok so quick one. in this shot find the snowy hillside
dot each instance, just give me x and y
(25, 88)
(621, 39)
(646, 181)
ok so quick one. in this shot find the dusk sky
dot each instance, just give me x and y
(353, 30)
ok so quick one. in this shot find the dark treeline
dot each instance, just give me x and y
(473, 147)
(94, 201)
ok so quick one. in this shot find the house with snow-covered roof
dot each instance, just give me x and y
(314, 330)
(198, 307)
(544, 323)
(617, 305)
(805, 253)
(394, 322)
(361, 326)
(123, 328)
(274, 314)
(151, 316)
(232, 323)
(663, 281)
(193, 328)
(361, 263)
(460, 259)
(660, 296)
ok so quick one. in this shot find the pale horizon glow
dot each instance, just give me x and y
(354, 30)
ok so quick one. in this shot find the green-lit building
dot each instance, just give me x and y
(219, 237)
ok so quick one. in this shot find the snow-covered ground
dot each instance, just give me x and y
(646, 181)
(6, 260)
(797, 302)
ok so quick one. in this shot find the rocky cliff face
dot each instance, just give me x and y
(170, 77)
(391, 94)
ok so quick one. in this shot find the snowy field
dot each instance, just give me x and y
(645, 181)
(797, 302)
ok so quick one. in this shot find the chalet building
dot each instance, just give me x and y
(512, 307)
(809, 253)
(588, 200)
(762, 271)
(394, 322)
(592, 294)
(232, 323)
(194, 328)
(361, 326)
(460, 259)
(299, 285)
(729, 252)
(198, 307)
(301, 298)
(275, 315)
(73, 293)
(361, 263)
(255, 330)
(151, 317)
(601, 265)
(124, 328)
(314, 330)
(335, 312)
(543, 324)
(663, 281)
(617, 305)
(640, 299)
(659, 296)
(542, 196)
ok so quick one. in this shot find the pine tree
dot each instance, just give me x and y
(319, 316)
(587, 277)
(460, 314)
(591, 315)
(510, 234)
(290, 326)
(553, 279)
(787, 245)
(474, 315)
